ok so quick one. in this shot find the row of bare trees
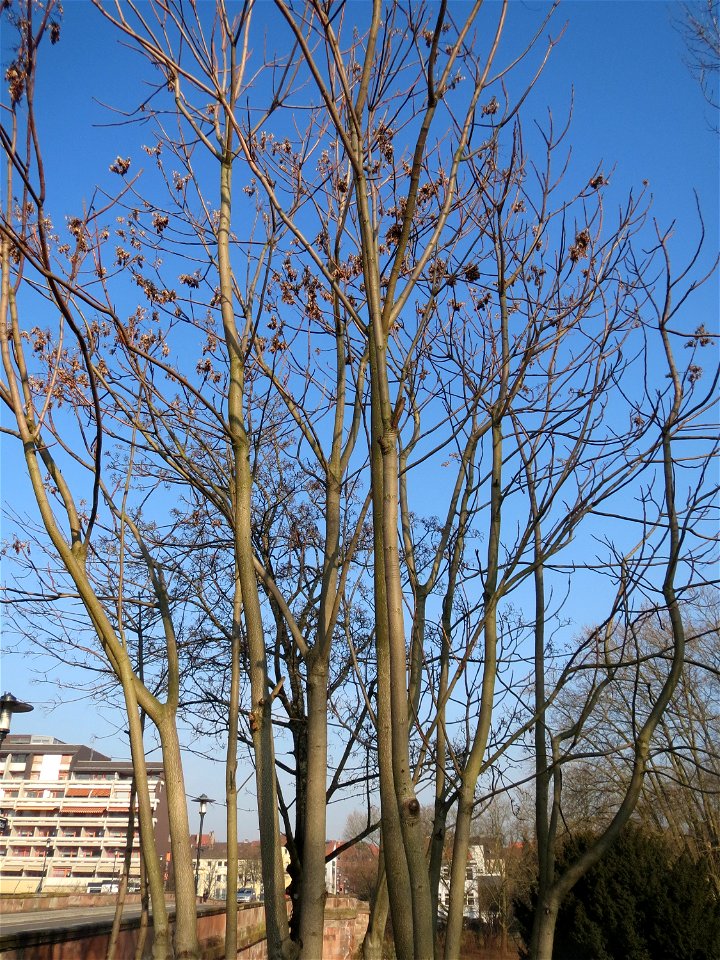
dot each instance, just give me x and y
(343, 391)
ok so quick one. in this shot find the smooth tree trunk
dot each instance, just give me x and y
(123, 886)
(280, 947)
(312, 921)
(185, 935)
(435, 865)
(408, 804)
(543, 937)
(393, 850)
(313, 863)
(144, 911)
(231, 907)
(161, 949)
(374, 940)
(279, 944)
(474, 763)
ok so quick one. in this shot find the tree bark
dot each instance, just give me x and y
(313, 863)
(374, 940)
(144, 912)
(185, 936)
(396, 869)
(407, 802)
(231, 906)
(544, 931)
(122, 889)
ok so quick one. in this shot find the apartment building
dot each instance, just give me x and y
(64, 811)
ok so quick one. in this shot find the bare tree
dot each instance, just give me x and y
(679, 797)
(700, 27)
(354, 276)
(669, 524)
(64, 456)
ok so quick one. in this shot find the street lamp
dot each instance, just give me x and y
(48, 853)
(8, 706)
(203, 802)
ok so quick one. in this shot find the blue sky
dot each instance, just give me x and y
(637, 111)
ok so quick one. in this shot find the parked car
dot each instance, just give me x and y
(102, 886)
(245, 895)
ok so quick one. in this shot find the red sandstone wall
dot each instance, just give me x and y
(61, 902)
(345, 925)
(346, 922)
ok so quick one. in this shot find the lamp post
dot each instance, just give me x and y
(8, 706)
(48, 853)
(3, 829)
(203, 802)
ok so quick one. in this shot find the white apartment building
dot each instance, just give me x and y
(64, 812)
(482, 871)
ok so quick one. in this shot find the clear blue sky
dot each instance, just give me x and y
(637, 110)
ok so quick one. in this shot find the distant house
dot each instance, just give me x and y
(331, 867)
(352, 872)
(484, 872)
(213, 868)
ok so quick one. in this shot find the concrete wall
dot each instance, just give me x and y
(345, 925)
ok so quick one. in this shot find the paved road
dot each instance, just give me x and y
(35, 920)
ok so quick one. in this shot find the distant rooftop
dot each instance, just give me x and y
(33, 743)
(84, 759)
(33, 738)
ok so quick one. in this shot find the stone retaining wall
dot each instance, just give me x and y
(24, 904)
(346, 920)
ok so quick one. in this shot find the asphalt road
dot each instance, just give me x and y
(71, 919)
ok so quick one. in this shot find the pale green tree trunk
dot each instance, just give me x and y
(231, 906)
(393, 850)
(408, 805)
(279, 945)
(185, 936)
(314, 892)
(374, 940)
